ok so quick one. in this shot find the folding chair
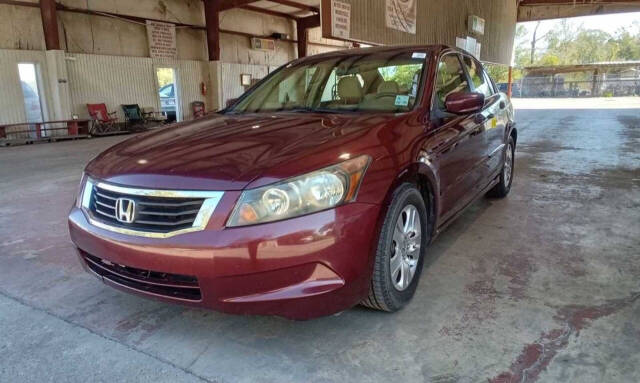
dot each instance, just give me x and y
(133, 115)
(149, 114)
(103, 121)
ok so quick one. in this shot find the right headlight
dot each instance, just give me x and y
(84, 195)
(319, 190)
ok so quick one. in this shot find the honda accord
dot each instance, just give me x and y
(318, 189)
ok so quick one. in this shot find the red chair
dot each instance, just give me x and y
(103, 121)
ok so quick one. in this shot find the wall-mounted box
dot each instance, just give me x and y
(476, 25)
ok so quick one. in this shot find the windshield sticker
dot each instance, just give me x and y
(402, 100)
(418, 55)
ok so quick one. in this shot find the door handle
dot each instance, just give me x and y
(490, 116)
(502, 105)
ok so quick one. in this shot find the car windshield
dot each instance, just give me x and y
(379, 81)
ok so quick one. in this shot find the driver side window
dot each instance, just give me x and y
(478, 77)
(451, 78)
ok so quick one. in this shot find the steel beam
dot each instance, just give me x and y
(531, 10)
(212, 20)
(297, 5)
(529, 3)
(225, 5)
(302, 28)
(50, 24)
(267, 11)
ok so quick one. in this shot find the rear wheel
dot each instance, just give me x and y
(400, 251)
(506, 176)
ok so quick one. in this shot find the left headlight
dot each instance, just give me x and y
(319, 190)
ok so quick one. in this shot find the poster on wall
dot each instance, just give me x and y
(401, 15)
(162, 39)
(340, 19)
(471, 45)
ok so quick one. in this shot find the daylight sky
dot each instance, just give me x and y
(607, 23)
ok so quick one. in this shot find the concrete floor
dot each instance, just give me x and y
(541, 286)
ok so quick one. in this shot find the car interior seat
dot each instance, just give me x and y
(350, 90)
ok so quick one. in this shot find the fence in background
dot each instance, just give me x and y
(596, 86)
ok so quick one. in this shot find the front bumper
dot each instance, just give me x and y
(299, 268)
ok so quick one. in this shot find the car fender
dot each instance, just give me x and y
(424, 175)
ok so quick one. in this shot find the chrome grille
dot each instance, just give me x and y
(154, 214)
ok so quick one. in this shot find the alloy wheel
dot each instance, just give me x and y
(405, 249)
(508, 165)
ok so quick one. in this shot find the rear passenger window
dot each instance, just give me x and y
(480, 84)
(451, 79)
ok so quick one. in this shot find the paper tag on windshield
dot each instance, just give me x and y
(402, 100)
(418, 55)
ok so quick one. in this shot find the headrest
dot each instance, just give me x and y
(349, 89)
(389, 87)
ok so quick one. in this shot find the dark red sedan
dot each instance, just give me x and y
(320, 188)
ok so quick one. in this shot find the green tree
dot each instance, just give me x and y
(570, 43)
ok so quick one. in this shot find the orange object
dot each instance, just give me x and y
(510, 81)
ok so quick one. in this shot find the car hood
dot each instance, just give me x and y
(228, 152)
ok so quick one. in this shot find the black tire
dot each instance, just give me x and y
(383, 295)
(504, 186)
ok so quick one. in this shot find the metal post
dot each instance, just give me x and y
(72, 128)
(211, 13)
(510, 81)
(303, 35)
(302, 27)
(50, 24)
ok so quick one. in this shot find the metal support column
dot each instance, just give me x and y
(509, 87)
(211, 13)
(302, 27)
(50, 24)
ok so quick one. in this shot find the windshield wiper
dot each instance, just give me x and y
(307, 110)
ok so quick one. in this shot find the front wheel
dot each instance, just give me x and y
(400, 251)
(506, 176)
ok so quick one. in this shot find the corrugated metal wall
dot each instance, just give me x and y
(113, 80)
(11, 98)
(191, 74)
(117, 80)
(438, 22)
(230, 78)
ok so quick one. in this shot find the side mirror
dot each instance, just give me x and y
(464, 102)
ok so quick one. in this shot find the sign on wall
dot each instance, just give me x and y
(401, 15)
(162, 39)
(263, 44)
(476, 25)
(470, 45)
(340, 19)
